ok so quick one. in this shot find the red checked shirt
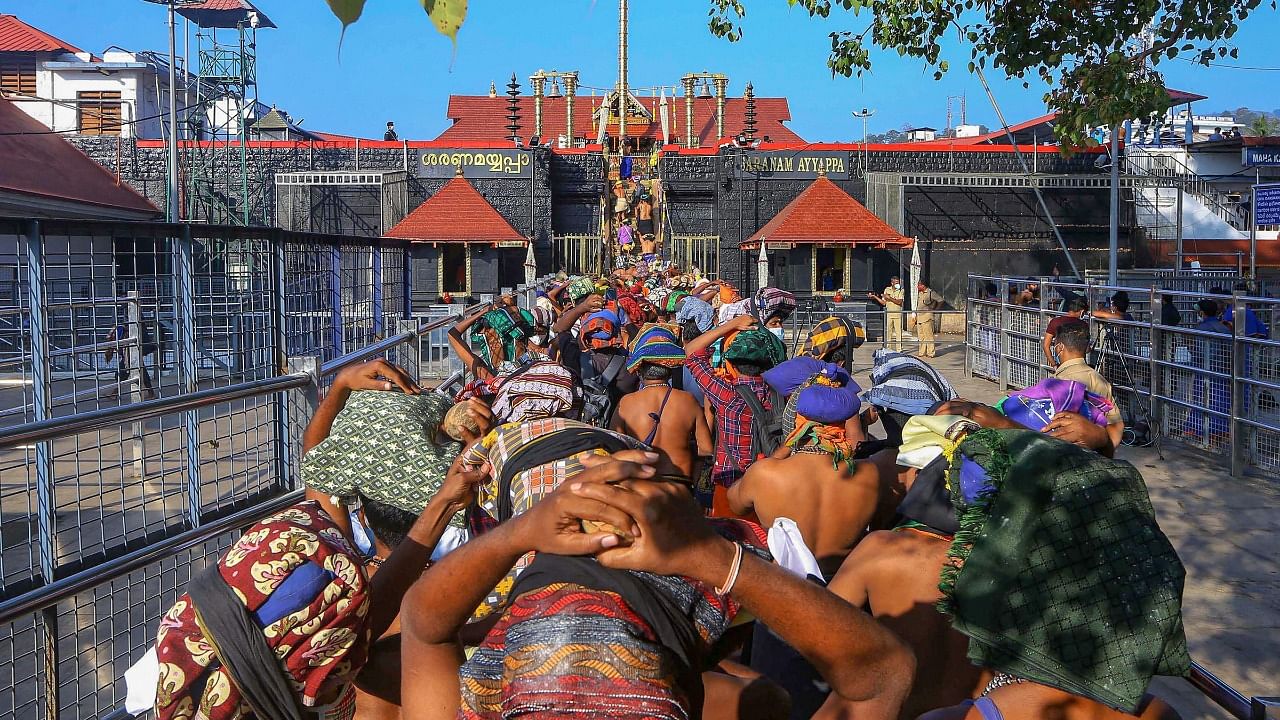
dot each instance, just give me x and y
(733, 417)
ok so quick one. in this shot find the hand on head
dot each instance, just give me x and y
(669, 532)
(375, 375)
(743, 322)
(459, 487)
(984, 415)
(554, 524)
(1078, 430)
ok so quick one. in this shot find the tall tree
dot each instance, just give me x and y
(1264, 126)
(1098, 57)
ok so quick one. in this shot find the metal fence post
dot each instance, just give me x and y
(1238, 373)
(46, 508)
(184, 300)
(133, 353)
(413, 349)
(1155, 416)
(335, 299)
(1002, 341)
(280, 358)
(378, 322)
(301, 404)
(407, 281)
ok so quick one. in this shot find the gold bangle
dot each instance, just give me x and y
(733, 572)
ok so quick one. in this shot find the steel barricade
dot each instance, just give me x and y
(122, 475)
(1210, 387)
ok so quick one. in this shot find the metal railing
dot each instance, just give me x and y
(1214, 391)
(120, 477)
(875, 319)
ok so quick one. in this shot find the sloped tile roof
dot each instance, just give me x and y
(456, 213)
(17, 36)
(42, 164)
(824, 213)
(223, 13)
(480, 117)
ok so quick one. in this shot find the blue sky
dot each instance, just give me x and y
(394, 65)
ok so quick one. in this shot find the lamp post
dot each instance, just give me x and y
(864, 114)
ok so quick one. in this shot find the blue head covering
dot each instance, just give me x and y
(787, 376)
(697, 310)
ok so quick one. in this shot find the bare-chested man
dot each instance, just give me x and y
(671, 421)
(893, 574)
(832, 497)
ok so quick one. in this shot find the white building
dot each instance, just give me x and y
(922, 134)
(71, 91)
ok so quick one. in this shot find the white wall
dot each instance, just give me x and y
(57, 89)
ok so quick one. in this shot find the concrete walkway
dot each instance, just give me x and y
(1225, 530)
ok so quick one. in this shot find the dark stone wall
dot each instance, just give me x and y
(995, 231)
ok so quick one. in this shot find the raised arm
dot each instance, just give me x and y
(458, 341)
(566, 320)
(708, 338)
(864, 662)
(441, 601)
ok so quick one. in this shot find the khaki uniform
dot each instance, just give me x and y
(1079, 371)
(926, 302)
(893, 317)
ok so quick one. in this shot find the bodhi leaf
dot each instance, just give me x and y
(347, 11)
(447, 16)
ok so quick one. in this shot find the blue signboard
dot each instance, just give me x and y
(1261, 156)
(1266, 199)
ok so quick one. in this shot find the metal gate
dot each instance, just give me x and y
(578, 254)
(702, 251)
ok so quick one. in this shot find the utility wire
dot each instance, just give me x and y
(76, 106)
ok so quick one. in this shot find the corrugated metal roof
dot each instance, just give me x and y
(223, 13)
(456, 213)
(17, 36)
(39, 163)
(824, 213)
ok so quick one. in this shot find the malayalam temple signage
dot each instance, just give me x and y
(489, 164)
(791, 165)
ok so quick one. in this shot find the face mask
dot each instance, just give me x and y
(777, 332)
(1053, 350)
(897, 286)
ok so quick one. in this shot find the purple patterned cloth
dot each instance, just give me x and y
(1034, 407)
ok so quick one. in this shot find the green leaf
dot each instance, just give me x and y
(447, 16)
(347, 12)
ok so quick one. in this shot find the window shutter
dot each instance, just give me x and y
(18, 76)
(99, 112)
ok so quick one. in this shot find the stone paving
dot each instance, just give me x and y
(1225, 530)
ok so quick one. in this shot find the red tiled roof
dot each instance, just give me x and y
(824, 213)
(223, 13)
(480, 117)
(42, 164)
(17, 36)
(457, 213)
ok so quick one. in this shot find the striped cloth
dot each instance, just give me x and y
(830, 336)
(906, 383)
(545, 389)
(655, 344)
(528, 486)
(771, 301)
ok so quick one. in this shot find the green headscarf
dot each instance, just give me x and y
(758, 347)
(1059, 573)
(383, 446)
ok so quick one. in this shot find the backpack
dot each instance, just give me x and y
(597, 390)
(766, 425)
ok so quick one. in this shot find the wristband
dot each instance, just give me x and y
(733, 572)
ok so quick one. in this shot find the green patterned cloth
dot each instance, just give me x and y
(384, 446)
(1064, 576)
(758, 346)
